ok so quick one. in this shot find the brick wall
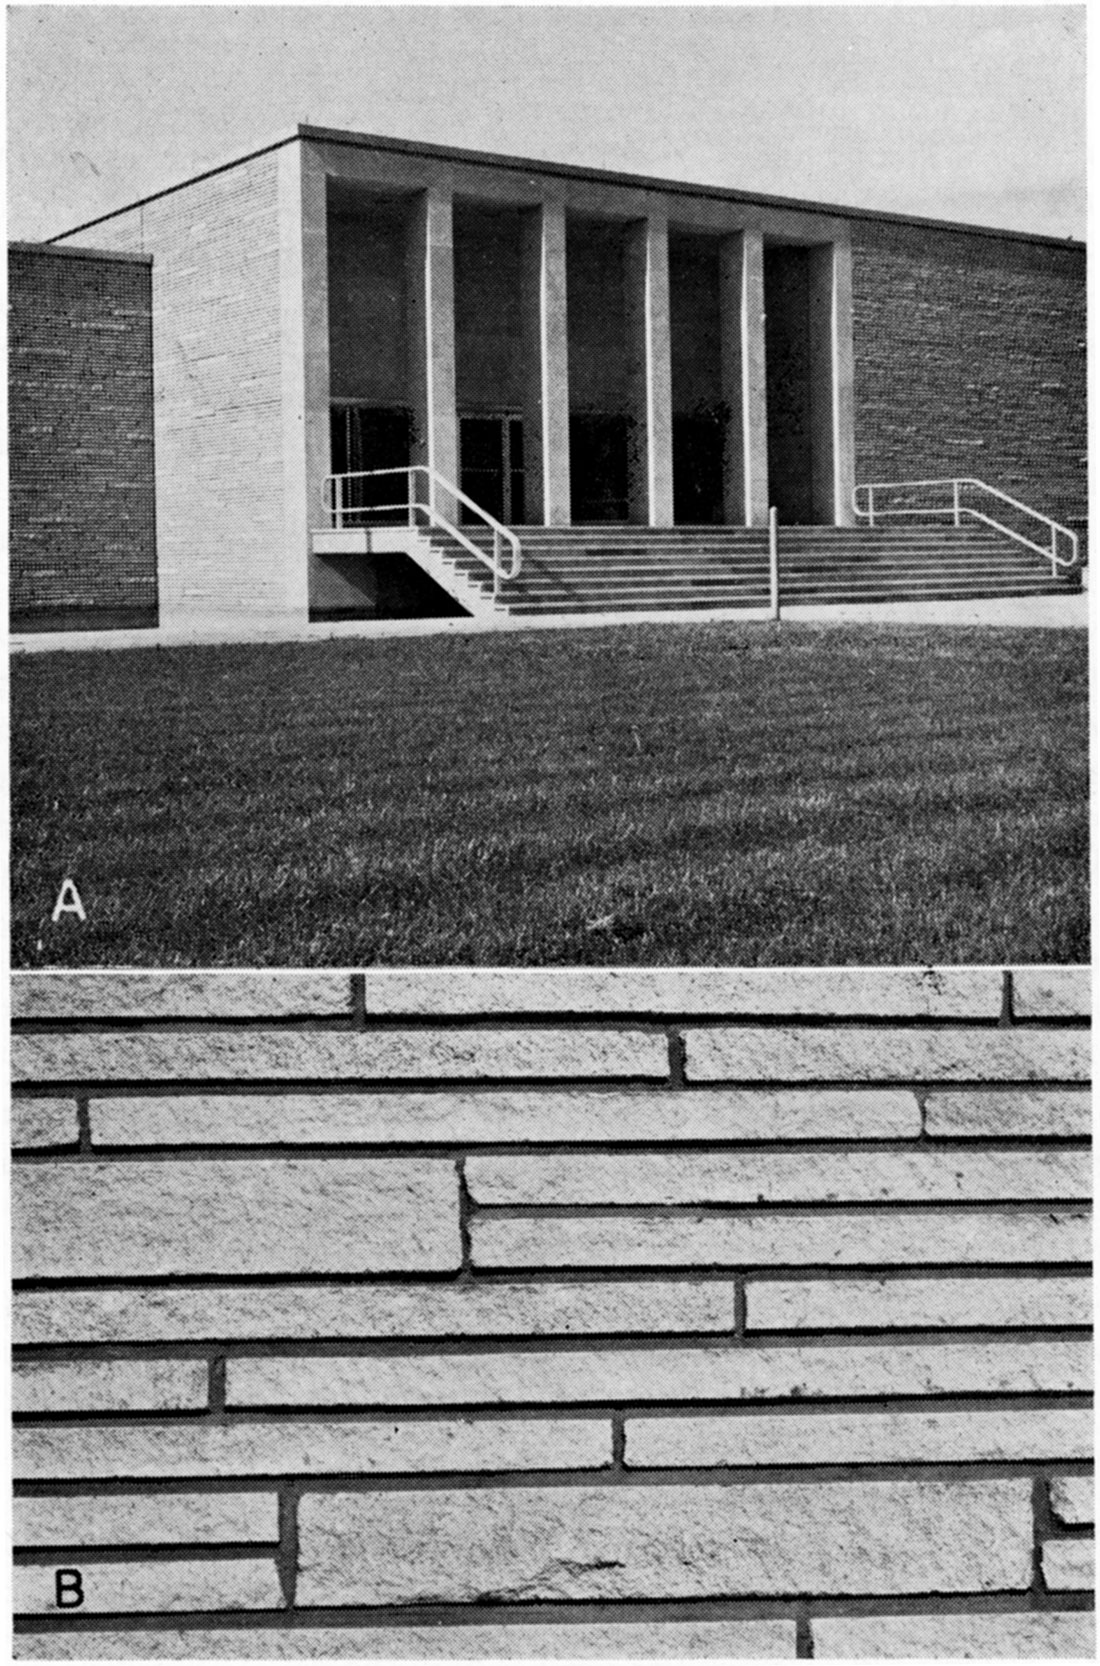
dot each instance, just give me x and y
(80, 427)
(218, 382)
(970, 360)
(535, 1314)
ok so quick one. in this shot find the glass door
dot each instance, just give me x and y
(491, 469)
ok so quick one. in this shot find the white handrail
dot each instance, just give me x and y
(334, 500)
(957, 509)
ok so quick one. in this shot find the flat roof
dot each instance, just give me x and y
(565, 170)
(82, 253)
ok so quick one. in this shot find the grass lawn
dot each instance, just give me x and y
(711, 794)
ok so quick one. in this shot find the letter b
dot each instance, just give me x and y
(69, 1586)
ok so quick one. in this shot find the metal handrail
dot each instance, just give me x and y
(333, 497)
(957, 509)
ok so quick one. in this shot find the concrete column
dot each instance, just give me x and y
(431, 301)
(832, 428)
(844, 423)
(546, 366)
(743, 301)
(304, 345)
(651, 372)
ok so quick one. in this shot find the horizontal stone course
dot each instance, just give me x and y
(43, 1122)
(1069, 1564)
(274, 1215)
(895, 1238)
(577, 1116)
(308, 1447)
(672, 1374)
(152, 1587)
(1073, 1499)
(111, 1385)
(1052, 992)
(529, 1544)
(917, 1303)
(1020, 1113)
(868, 1055)
(153, 1519)
(765, 1177)
(327, 1055)
(954, 1636)
(202, 995)
(307, 1312)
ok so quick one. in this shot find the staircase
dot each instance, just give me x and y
(627, 569)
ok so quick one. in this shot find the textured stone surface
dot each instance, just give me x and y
(327, 1055)
(111, 1385)
(152, 1587)
(74, 995)
(1069, 1564)
(528, 1544)
(954, 1636)
(323, 1447)
(1000, 1114)
(598, 1374)
(913, 1303)
(899, 1055)
(781, 1177)
(583, 1640)
(307, 1311)
(39, 1122)
(895, 1238)
(1073, 1499)
(580, 1116)
(156, 1519)
(288, 1215)
(1001, 1436)
(1052, 992)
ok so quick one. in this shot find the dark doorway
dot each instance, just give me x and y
(789, 383)
(697, 469)
(491, 467)
(599, 467)
(368, 437)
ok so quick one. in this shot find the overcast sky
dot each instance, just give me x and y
(959, 112)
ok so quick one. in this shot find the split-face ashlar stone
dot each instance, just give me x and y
(110, 1385)
(71, 996)
(147, 1519)
(785, 1054)
(277, 1215)
(1021, 1636)
(1011, 1113)
(1069, 1564)
(917, 1303)
(43, 1122)
(1052, 992)
(529, 1544)
(149, 1587)
(1073, 1499)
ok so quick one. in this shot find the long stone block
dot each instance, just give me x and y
(630, 1374)
(954, 1636)
(1024, 1113)
(580, 1640)
(530, 1544)
(781, 1177)
(43, 1122)
(1073, 1499)
(270, 1216)
(307, 1312)
(324, 1447)
(917, 1303)
(159, 1519)
(899, 1238)
(462, 1118)
(336, 1055)
(1002, 1436)
(1069, 1564)
(111, 1385)
(151, 995)
(151, 1587)
(1052, 992)
(887, 1055)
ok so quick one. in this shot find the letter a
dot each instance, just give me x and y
(69, 1588)
(68, 902)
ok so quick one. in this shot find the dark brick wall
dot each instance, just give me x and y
(83, 534)
(970, 359)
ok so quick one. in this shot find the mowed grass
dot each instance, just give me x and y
(713, 794)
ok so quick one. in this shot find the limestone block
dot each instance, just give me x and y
(151, 995)
(111, 1385)
(1052, 992)
(1025, 1112)
(150, 1587)
(43, 1122)
(954, 1636)
(781, 1177)
(157, 1519)
(308, 1312)
(1069, 1564)
(1073, 1499)
(1002, 1436)
(149, 1451)
(899, 1055)
(917, 1303)
(898, 1238)
(274, 1215)
(529, 1544)
(335, 1055)
(578, 1116)
(674, 1374)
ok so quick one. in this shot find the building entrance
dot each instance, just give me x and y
(599, 468)
(491, 467)
(372, 437)
(698, 450)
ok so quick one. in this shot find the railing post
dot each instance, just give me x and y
(338, 483)
(412, 497)
(870, 506)
(496, 563)
(773, 562)
(955, 500)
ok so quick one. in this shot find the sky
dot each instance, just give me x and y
(972, 113)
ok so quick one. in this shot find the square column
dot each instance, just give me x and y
(546, 367)
(651, 372)
(304, 338)
(431, 370)
(832, 370)
(744, 386)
